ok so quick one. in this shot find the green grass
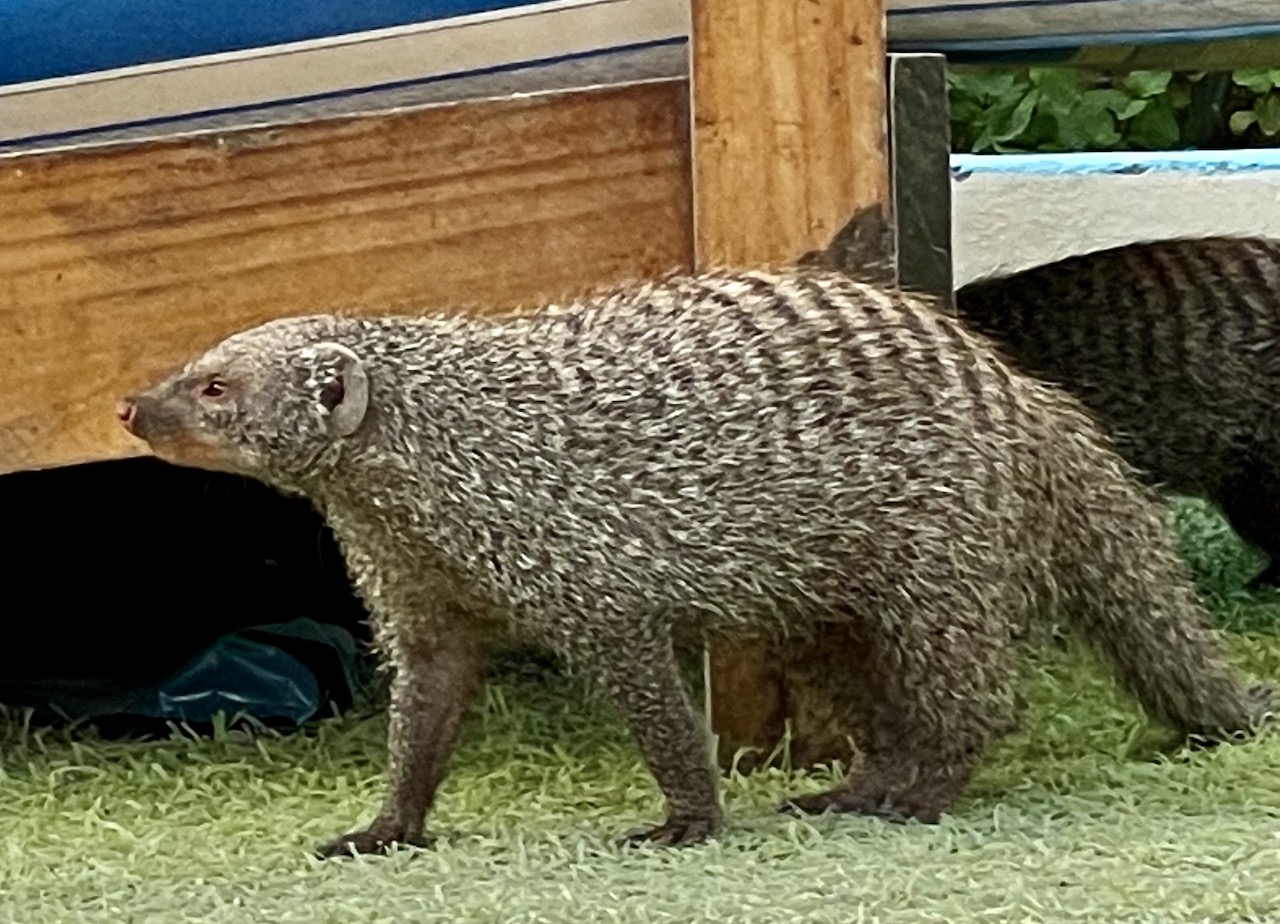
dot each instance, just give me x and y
(1078, 817)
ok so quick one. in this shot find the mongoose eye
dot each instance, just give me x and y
(214, 388)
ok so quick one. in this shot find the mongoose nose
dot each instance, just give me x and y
(126, 410)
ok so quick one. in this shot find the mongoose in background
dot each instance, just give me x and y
(735, 452)
(1174, 346)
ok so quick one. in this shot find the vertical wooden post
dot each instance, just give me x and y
(789, 124)
(789, 139)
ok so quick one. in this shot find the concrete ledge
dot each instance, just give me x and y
(1012, 211)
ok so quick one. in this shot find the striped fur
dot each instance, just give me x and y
(733, 452)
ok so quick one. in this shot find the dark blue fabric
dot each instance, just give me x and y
(234, 676)
(286, 673)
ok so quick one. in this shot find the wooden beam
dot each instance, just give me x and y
(119, 263)
(789, 115)
(789, 124)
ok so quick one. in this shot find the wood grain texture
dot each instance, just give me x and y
(790, 128)
(789, 140)
(118, 264)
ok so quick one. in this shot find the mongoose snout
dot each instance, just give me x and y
(126, 410)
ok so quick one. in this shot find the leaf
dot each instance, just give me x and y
(1107, 98)
(1008, 148)
(1131, 109)
(1015, 122)
(1059, 88)
(1240, 121)
(1259, 80)
(1268, 110)
(1042, 130)
(1056, 109)
(964, 110)
(988, 87)
(1155, 128)
(1146, 84)
(1119, 102)
(1179, 94)
(1087, 128)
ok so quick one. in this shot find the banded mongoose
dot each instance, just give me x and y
(732, 451)
(1174, 346)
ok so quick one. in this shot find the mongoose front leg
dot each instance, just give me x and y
(431, 689)
(642, 679)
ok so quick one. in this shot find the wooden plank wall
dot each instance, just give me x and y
(790, 139)
(118, 264)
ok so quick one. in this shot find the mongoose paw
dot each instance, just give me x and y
(1263, 712)
(838, 802)
(370, 841)
(1268, 579)
(895, 788)
(674, 832)
(844, 802)
(1266, 708)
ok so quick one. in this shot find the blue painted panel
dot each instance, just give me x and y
(40, 39)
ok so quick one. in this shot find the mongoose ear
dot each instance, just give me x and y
(345, 396)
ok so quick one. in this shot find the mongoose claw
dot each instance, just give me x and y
(674, 832)
(835, 802)
(1267, 709)
(865, 801)
(369, 842)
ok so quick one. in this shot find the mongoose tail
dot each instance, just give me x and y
(1126, 588)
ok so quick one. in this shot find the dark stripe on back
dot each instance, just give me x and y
(1143, 311)
(1183, 294)
(1243, 272)
(1204, 297)
(968, 362)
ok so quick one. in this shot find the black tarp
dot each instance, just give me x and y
(142, 588)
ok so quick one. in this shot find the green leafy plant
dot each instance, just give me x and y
(1262, 117)
(1069, 109)
(1064, 109)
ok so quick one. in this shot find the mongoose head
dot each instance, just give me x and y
(272, 402)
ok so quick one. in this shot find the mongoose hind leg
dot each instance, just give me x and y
(641, 677)
(1251, 503)
(939, 689)
(431, 689)
(897, 784)
(829, 701)
(832, 697)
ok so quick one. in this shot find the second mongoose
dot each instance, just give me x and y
(1174, 346)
